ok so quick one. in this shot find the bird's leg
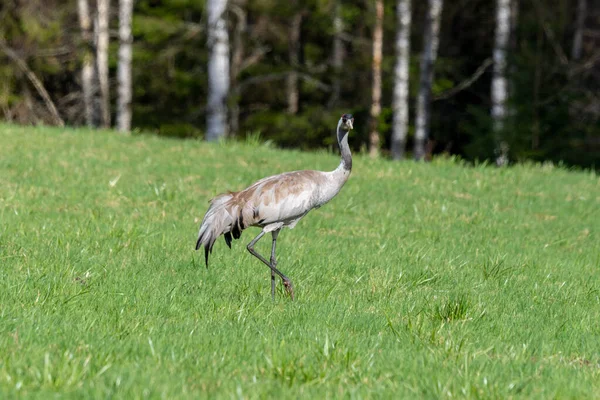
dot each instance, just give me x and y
(273, 263)
(286, 281)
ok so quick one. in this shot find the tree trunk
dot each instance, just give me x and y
(87, 71)
(124, 68)
(237, 58)
(337, 60)
(102, 38)
(499, 81)
(513, 48)
(428, 57)
(401, 79)
(294, 49)
(579, 26)
(514, 23)
(537, 83)
(374, 141)
(218, 70)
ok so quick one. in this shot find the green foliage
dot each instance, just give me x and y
(39, 32)
(453, 310)
(427, 280)
(180, 131)
(552, 113)
(477, 126)
(316, 127)
(170, 88)
(495, 269)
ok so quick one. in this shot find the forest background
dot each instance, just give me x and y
(499, 80)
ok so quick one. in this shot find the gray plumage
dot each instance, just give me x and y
(274, 203)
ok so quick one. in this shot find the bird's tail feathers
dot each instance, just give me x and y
(217, 221)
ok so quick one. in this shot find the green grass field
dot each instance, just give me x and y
(422, 280)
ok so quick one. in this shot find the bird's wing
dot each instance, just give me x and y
(280, 198)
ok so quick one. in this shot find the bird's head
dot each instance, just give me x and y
(347, 122)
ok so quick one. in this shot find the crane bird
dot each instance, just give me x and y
(275, 203)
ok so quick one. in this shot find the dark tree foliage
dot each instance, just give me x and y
(554, 106)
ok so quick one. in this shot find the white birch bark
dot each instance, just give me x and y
(428, 57)
(337, 61)
(579, 26)
(374, 141)
(499, 82)
(218, 70)
(102, 39)
(87, 70)
(401, 79)
(293, 96)
(124, 67)
(237, 58)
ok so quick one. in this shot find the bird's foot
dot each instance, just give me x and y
(289, 288)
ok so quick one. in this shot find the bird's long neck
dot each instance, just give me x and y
(342, 136)
(336, 179)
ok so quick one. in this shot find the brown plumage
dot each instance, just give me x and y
(274, 203)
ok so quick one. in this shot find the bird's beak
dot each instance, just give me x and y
(350, 123)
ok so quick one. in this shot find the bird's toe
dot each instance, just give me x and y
(289, 288)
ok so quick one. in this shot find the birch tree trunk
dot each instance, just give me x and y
(218, 70)
(428, 57)
(294, 48)
(499, 81)
(337, 61)
(237, 58)
(374, 141)
(87, 70)
(124, 68)
(102, 38)
(579, 26)
(401, 79)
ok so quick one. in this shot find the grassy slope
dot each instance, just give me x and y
(418, 279)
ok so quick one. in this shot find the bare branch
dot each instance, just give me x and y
(57, 52)
(555, 45)
(10, 53)
(587, 65)
(466, 83)
(6, 112)
(255, 57)
(192, 29)
(239, 12)
(560, 53)
(262, 79)
(348, 38)
(319, 85)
